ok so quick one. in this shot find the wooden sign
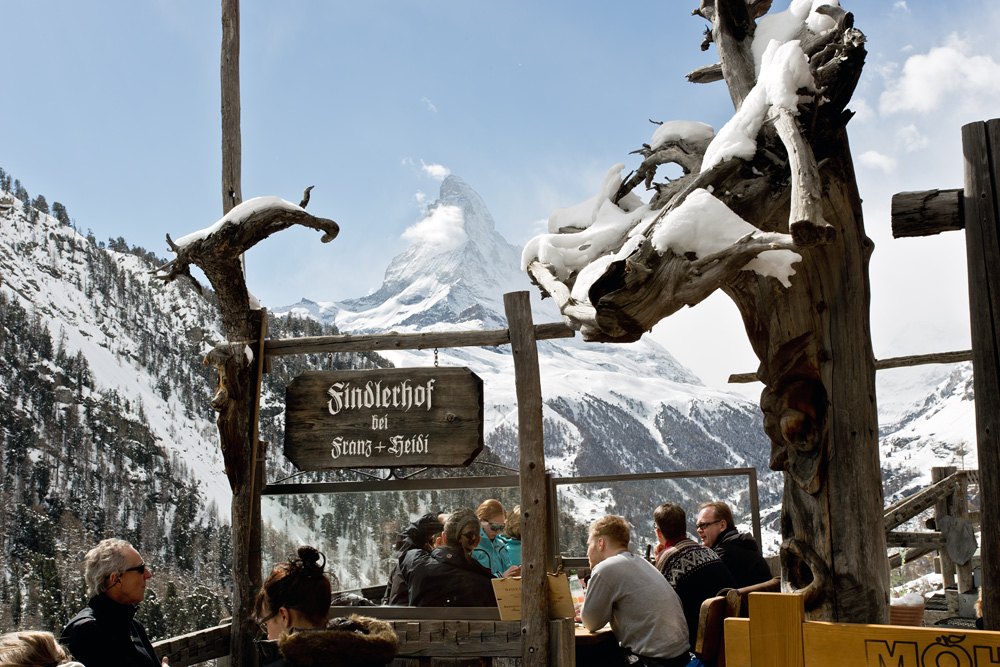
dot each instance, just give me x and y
(384, 418)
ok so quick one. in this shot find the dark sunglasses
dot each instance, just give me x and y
(706, 524)
(496, 527)
(140, 568)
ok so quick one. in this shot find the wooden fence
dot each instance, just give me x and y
(420, 638)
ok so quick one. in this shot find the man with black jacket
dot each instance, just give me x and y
(105, 632)
(449, 576)
(739, 551)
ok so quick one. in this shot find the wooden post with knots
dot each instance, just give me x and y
(977, 210)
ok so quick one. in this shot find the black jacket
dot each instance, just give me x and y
(740, 553)
(346, 642)
(106, 633)
(445, 578)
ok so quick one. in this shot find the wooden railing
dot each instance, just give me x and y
(195, 647)
(778, 634)
(421, 638)
(950, 537)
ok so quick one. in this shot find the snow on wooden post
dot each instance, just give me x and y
(531, 463)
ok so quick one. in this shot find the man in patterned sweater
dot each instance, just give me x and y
(695, 571)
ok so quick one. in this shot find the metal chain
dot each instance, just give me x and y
(435, 357)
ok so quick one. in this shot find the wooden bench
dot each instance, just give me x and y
(729, 603)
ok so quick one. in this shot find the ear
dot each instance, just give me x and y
(285, 616)
(444, 540)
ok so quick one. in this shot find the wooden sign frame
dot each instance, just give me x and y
(384, 418)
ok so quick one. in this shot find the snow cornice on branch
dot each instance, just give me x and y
(217, 249)
(790, 77)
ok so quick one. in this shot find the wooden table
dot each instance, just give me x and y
(597, 649)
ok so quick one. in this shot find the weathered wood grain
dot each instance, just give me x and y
(534, 490)
(409, 341)
(396, 417)
(981, 149)
(927, 212)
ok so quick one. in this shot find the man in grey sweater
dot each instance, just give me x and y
(645, 612)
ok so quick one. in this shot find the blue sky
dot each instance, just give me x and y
(112, 108)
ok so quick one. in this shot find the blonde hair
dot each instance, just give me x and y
(614, 528)
(513, 527)
(489, 508)
(31, 649)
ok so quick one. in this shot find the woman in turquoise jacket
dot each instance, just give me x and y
(492, 519)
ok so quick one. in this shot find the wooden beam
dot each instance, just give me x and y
(926, 213)
(406, 341)
(534, 492)
(912, 554)
(908, 508)
(892, 362)
(910, 540)
(232, 154)
(981, 149)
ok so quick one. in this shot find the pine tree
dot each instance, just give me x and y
(40, 204)
(59, 211)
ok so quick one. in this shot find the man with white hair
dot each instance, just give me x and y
(105, 632)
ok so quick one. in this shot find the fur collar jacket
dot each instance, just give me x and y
(346, 642)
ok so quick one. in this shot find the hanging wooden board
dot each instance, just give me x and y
(385, 418)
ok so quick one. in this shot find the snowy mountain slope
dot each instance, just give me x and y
(99, 302)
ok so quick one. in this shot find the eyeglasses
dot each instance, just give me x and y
(495, 527)
(263, 622)
(706, 524)
(140, 568)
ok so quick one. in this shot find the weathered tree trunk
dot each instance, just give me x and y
(820, 412)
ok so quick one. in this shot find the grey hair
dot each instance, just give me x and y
(107, 558)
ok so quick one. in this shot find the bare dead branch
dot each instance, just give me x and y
(805, 218)
(706, 74)
(305, 196)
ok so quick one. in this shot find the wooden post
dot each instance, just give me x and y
(531, 463)
(232, 193)
(776, 630)
(981, 148)
(943, 508)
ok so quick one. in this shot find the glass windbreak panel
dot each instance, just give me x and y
(357, 530)
(580, 504)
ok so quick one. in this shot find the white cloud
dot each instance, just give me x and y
(420, 197)
(443, 229)
(876, 160)
(863, 111)
(430, 105)
(435, 170)
(944, 75)
(910, 138)
(900, 6)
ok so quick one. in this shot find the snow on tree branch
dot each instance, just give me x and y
(790, 75)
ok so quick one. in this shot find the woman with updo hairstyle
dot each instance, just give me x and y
(292, 607)
(33, 649)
